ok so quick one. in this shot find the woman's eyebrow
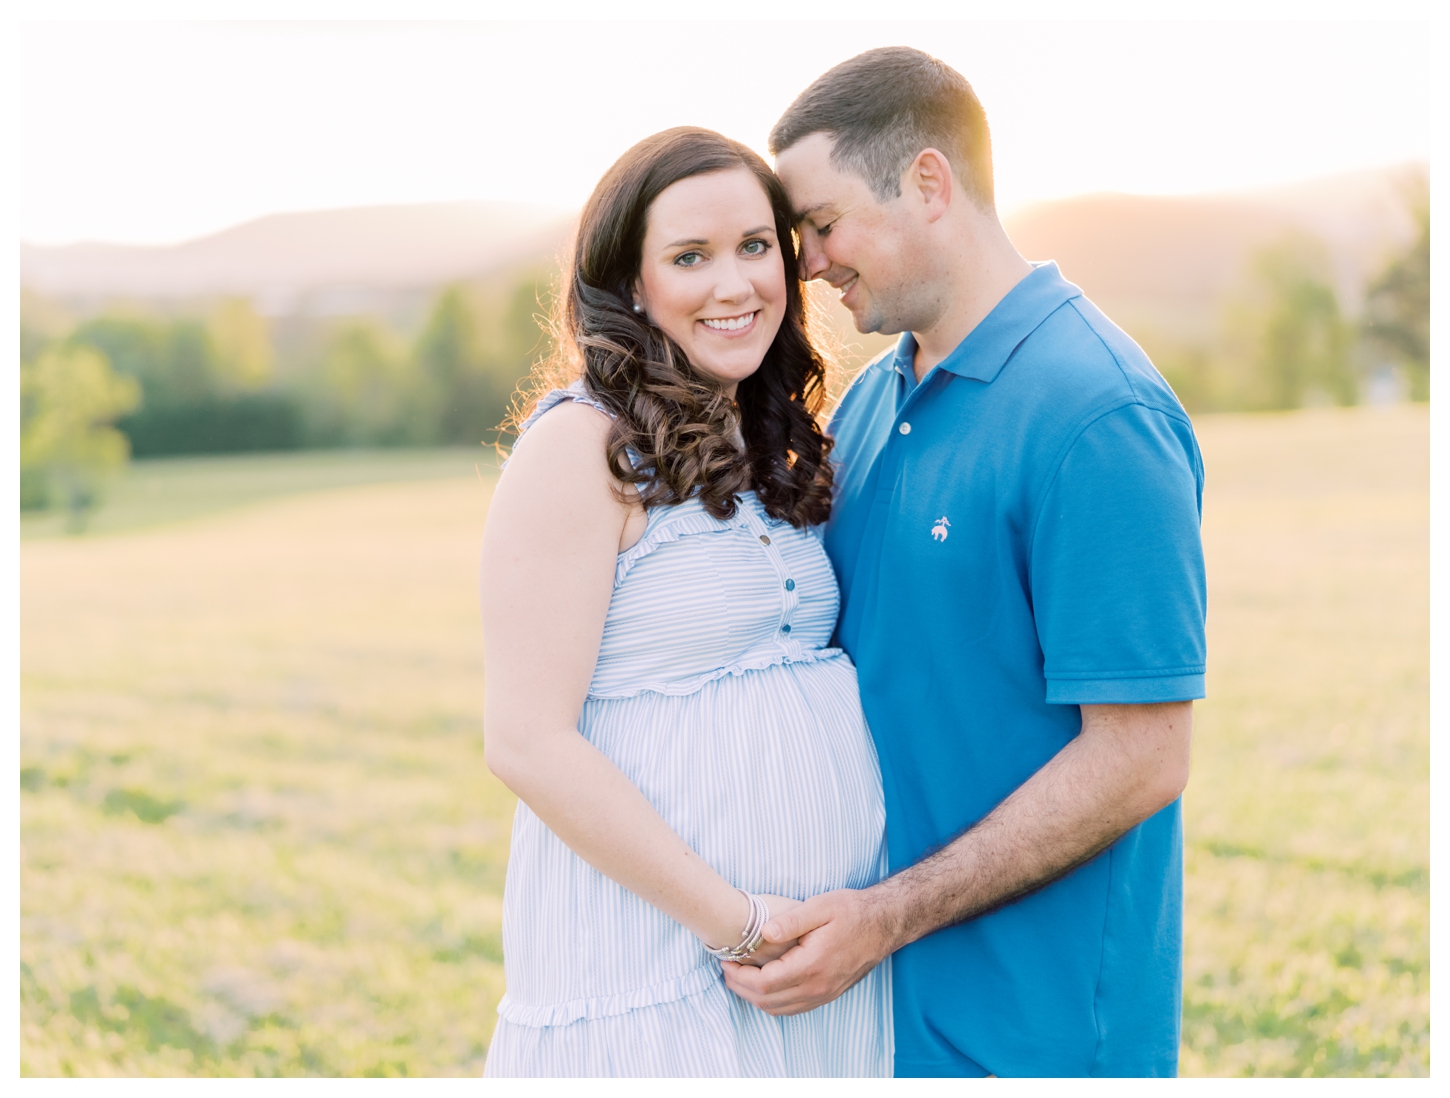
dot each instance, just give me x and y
(699, 243)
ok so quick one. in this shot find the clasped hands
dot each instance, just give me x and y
(812, 952)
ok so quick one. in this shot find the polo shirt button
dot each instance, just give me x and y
(764, 539)
(790, 585)
(905, 428)
(785, 628)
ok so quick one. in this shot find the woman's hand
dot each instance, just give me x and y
(769, 951)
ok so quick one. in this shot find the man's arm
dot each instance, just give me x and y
(1128, 762)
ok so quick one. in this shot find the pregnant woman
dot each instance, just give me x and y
(690, 757)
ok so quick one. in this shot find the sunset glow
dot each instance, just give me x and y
(157, 132)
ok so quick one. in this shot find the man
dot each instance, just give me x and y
(1017, 540)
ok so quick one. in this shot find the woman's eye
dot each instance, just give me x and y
(689, 259)
(755, 247)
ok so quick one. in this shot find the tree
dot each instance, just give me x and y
(364, 370)
(1302, 343)
(523, 336)
(172, 360)
(477, 345)
(200, 382)
(1397, 309)
(449, 357)
(241, 347)
(70, 397)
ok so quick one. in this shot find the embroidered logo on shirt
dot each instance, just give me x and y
(939, 531)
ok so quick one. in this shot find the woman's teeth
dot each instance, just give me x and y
(730, 324)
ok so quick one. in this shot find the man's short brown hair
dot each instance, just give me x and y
(881, 108)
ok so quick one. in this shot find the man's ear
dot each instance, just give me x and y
(929, 179)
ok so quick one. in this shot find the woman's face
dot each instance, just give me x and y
(711, 274)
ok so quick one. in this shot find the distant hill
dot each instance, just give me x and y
(1166, 265)
(1160, 266)
(287, 258)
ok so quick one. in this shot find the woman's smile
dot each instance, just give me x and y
(732, 325)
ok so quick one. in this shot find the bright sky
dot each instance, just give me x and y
(156, 132)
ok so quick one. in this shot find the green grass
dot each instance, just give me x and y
(258, 836)
(1307, 816)
(159, 491)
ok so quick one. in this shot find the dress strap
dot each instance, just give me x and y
(554, 397)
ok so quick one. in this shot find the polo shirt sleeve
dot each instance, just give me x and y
(1117, 576)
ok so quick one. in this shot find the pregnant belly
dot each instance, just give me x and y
(770, 775)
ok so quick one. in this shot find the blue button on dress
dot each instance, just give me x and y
(716, 695)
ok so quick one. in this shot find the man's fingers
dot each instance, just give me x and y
(797, 921)
(758, 981)
(781, 982)
(767, 979)
(745, 982)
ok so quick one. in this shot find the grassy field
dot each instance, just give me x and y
(1308, 813)
(163, 491)
(258, 837)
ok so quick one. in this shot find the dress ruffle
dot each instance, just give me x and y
(561, 1014)
(669, 525)
(759, 660)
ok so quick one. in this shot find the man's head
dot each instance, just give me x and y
(873, 155)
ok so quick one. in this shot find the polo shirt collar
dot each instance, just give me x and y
(990, 344)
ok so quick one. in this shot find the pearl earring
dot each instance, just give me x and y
(638, 307)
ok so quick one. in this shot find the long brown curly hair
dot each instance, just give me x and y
(674, 430)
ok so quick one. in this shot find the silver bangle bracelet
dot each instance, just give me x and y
(753, 934)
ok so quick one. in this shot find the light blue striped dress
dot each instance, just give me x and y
(714, 693)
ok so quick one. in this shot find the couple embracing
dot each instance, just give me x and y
(848, 751)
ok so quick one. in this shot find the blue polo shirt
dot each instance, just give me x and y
(1016, 536)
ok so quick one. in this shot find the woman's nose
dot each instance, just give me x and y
(733, 284)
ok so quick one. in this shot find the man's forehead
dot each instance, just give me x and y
(812, 191)
(816, 185)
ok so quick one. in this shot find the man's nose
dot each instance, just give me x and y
(813, 261)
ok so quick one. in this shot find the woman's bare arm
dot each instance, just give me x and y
(554, 529)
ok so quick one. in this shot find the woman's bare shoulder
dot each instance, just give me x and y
(571, 432)
(560, 462)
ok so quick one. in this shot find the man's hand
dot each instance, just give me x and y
(843, 936)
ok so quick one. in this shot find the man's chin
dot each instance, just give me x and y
(867, 320)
